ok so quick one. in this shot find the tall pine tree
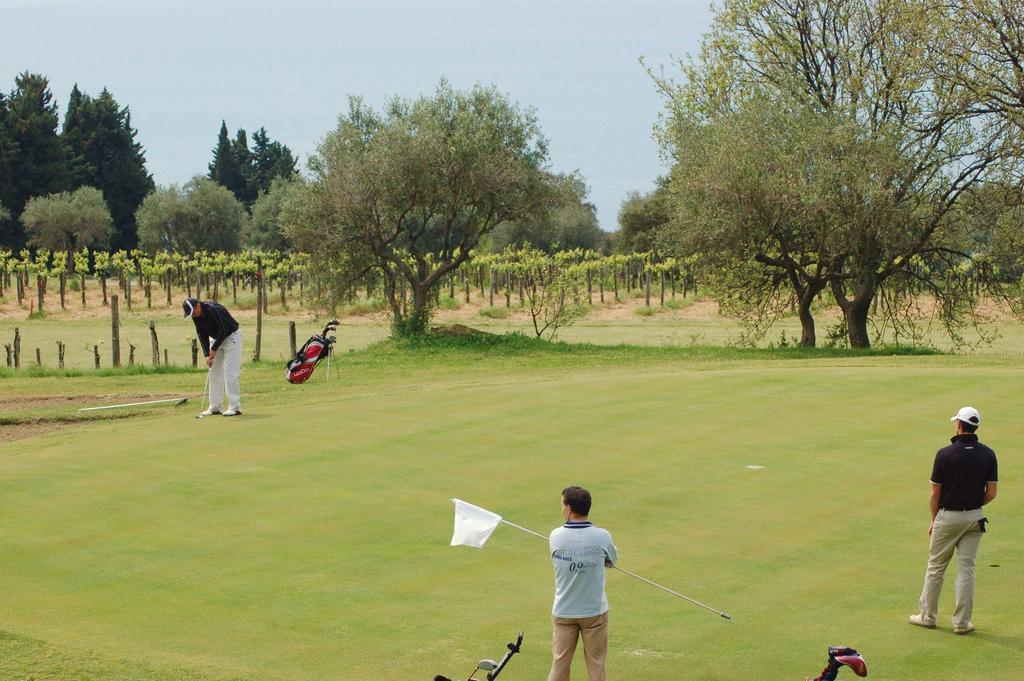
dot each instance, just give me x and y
(250, 172)
(247, 189)
(8, 149)
(224, 169)
(103, 153)
(270, 160)
(39, 164)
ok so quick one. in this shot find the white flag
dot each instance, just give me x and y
(473, 525)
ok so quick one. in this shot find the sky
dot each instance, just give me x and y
(290, 65)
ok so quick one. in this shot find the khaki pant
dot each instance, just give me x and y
(226, 372)
(953, 530)
(566, 633)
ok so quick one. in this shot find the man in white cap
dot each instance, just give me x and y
(964, 478)
(223, 356)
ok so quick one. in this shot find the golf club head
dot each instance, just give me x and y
(180, 402)
(487, 665)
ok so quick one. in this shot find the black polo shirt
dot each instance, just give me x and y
(216, 323)
(963, 469)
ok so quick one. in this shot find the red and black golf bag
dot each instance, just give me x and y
(314, 351)
(839, 657)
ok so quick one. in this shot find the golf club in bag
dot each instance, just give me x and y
(490, 666)
(315, 350)
(839, 657)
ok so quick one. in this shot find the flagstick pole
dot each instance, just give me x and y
(635, 576)
(520, 527)
(674, 593)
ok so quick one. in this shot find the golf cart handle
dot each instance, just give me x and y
(513, 648)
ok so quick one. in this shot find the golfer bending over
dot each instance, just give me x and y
(224, 357)
(964, 478)
(579, 553)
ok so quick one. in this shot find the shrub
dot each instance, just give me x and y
(495, 312)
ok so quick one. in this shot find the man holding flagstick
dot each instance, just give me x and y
(579, 553)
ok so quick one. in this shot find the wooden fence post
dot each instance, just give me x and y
(61, 347)
(10, 355)
(291, 337)
(195, 353)
(17, 348)
(63, 287)
(260, 293)
(39, 358)
(167, 362)
(131, 354)
(156, 344)
(263, 286)
(115, 333)
(96, 355)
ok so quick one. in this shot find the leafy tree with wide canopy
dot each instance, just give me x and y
(571, 223)
(68, 221)
(265, 230)
(410, 191)
(201, 215)
(869, 67)
(642, 217)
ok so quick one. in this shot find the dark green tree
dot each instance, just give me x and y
(271, 160)
(103, 153)
(247, 188)
(39, 164)
(224, 169)
(246, 171)
(8, 150)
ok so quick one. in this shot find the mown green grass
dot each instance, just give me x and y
(308, 539)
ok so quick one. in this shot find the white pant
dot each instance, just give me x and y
(226, 373)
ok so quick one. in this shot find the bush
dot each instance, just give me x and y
(446, 302)
(364, 307)
(495, 312)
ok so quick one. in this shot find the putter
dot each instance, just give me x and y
(206, 391)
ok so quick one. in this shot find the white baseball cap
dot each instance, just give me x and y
(968, 415)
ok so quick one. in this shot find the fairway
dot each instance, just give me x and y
(315, 544)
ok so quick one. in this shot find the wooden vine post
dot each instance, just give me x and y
(260, 293)
(155, 343)
(115, 333)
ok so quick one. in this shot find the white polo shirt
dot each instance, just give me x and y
(578, 553)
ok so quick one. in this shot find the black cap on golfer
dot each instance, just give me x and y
(188, 305)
